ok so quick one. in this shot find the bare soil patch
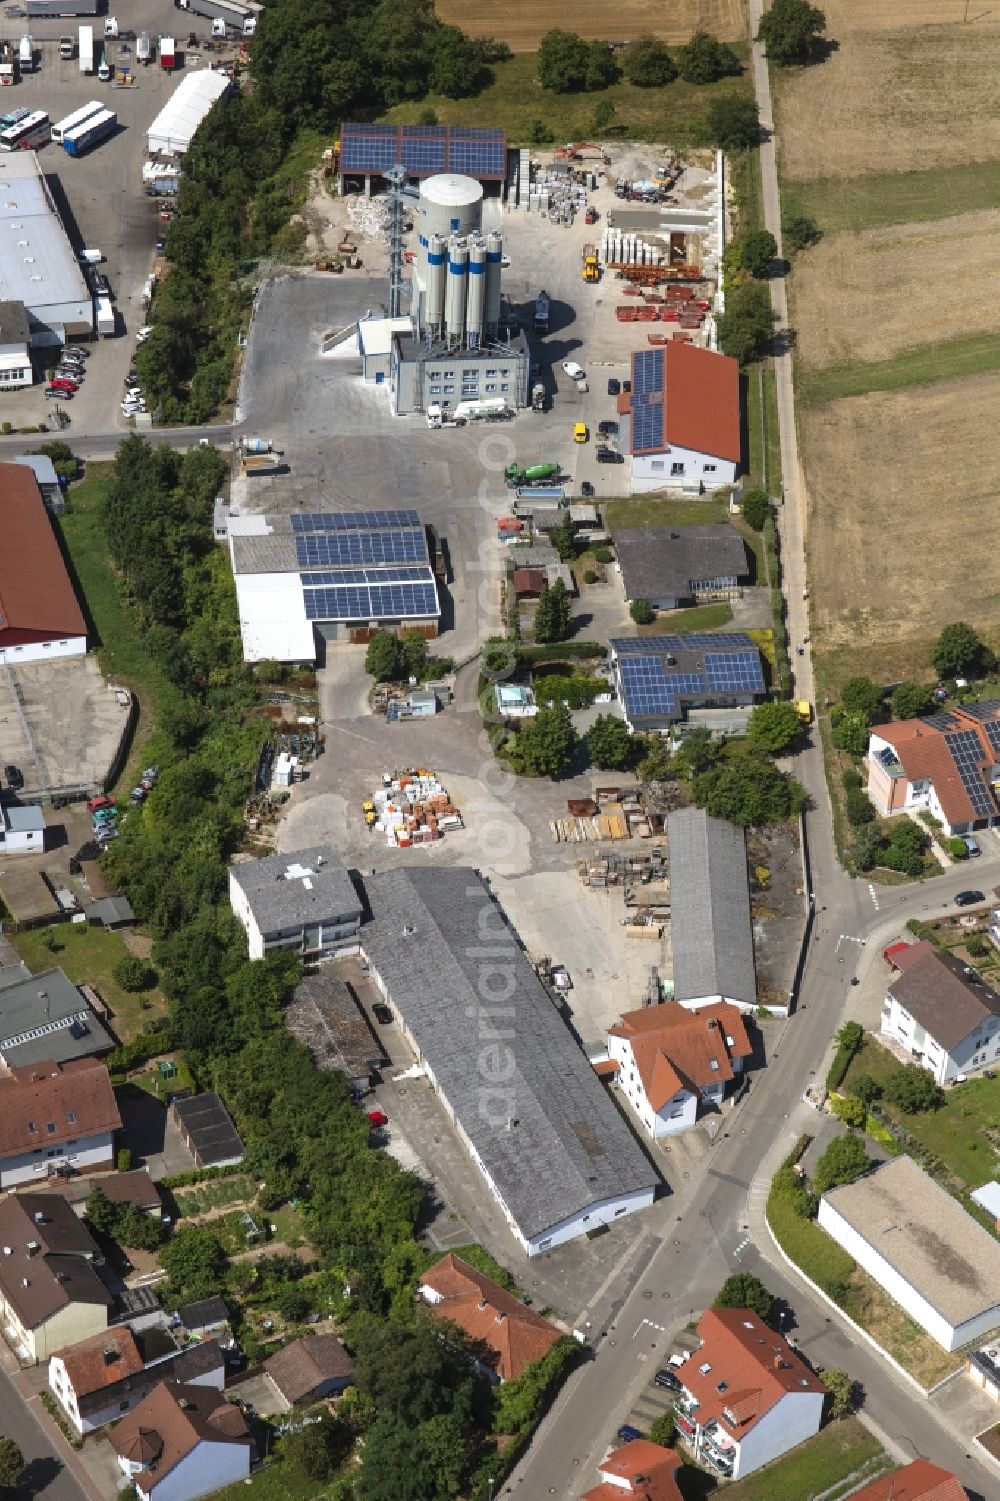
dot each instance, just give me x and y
(848, 17)
(896, 501)
(869, 295)
(521, 23)
(893, 101)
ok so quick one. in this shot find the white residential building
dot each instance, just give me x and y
(100, 1379)
(54, 1115)
(922, 1247)
(673, 1062)
(22, 830)
(748, 1397)
(182, 1442)
(305, 902)
(945, 1015)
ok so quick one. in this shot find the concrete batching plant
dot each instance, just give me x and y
(459, 347)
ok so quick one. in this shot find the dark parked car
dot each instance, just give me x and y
(667, 1379)
(382, 1013)
(614, 386)
(609, 456)
(608, 429)
(968, 898)
(14, 778)
(628, 1434)
(587, 490)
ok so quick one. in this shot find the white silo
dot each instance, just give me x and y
(448, 205)
(455, 293)
(494, 256)
(476, 300)
(437, 260)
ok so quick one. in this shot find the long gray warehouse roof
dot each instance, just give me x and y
(37, 264)
(710, 927)
(542, 1125)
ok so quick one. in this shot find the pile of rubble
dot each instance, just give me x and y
(370, 216)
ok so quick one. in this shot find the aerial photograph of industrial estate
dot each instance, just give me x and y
(499, 751)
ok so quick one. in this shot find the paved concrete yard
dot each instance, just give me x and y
(71, 717)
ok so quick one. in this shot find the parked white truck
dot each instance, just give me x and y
(495, 410)
(86, 49)
(237, 16)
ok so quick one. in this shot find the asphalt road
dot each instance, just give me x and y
(103, 445)
(47, 1478)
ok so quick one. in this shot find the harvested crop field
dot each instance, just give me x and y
(870, 295)
(894, 101)
(522, 23)
(900, 484)
(847, 17)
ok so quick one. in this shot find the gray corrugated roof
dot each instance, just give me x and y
(549, 1137)
(324, 1015)
(272, 554)
(45, 1004)
(658, 561)
(308, 886)
(710, 928)
(43, 270)
(26, 820)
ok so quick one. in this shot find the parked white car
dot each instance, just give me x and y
(91, 257)
(143, 334)
(574, 371)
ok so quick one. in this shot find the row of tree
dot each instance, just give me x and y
(567, 64)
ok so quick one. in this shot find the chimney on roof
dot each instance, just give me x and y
(110, 1355)
(32, 1247)
(501, 1318)
(482, 1304)
(777, 1360)
(25, 1282)
(39, 1217)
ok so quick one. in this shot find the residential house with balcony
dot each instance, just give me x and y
(945, 1016)
(947, 765)
(182, 1442)
(673, 1063)
(747, 1396)
(50, 1293)
(55, 1116)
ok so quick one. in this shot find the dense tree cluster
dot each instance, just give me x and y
(746, 327)
(552, 614)
(843, 1160)
(126, 1223)
(744, 1290)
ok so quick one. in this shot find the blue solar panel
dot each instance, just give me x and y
(340, 549)
(423, 149)
(652, 685)
(352, 521)
(969, 756)
(340, 576)
(647, 427)
(371, 602)
(647, 372)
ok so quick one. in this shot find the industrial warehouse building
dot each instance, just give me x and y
(459, 348)
(683, 683)
(172, 132)
(710, 928)
(922, 1247)
(39, 614)
(313, 577)
(528, 1107)
(38, 269)
(366, 153)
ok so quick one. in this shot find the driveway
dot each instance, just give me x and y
(154, 1139)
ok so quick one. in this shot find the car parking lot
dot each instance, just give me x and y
(100, 195)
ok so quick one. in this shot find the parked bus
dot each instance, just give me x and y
(90, 133)
(85, 112)
(29, 133)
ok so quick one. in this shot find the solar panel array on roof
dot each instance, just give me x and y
(351, 521)
(647, 426)
(656, 672)
(340, 549)
(647, 373)
(968, 756)
(941, 721)
(365, 576)
(371, 602)
(424, 149)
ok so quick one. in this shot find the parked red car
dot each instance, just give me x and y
(62, 383)
(378, 1117)
(96, 803)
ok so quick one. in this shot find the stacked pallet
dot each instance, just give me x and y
(414, 809)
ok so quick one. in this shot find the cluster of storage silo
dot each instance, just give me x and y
(621, 247)
(458, 267)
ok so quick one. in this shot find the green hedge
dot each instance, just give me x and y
(203, 1175)
(562, 649)
(842, 1058)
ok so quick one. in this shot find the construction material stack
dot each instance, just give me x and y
(412, 808)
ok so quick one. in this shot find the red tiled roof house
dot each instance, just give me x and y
(513, 1334)
(56, 1114)
(672, 1062)
(640, 1469)
(919, 1481)
(948, 764)
(39, 613)
(747, 1397)
(684, 419)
